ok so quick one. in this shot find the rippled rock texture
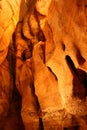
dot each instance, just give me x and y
(43, 67)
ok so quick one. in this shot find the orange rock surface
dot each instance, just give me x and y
(43, 67)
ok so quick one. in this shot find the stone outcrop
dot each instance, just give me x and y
(47, 63)
(9, 16)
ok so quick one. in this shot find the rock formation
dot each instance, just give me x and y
(43, 68)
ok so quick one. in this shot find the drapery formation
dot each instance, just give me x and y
(45, 60)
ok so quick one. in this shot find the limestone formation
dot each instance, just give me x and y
(43, 67)
(9, 16)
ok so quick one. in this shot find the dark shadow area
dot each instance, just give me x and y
(71, 65)
(41, 127)
(14, 120)
(79, 80)
(63, 46)
(80, 84)
(80, 59)
(72, 128)
(73, 124)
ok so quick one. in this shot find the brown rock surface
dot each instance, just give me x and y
(46, 61)
(71, 61)
(9, 16)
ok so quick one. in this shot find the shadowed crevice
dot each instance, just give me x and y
(41, 126)
(71, 64)
(52, 73)
(80, 59)
(79, 80)
(63, 46)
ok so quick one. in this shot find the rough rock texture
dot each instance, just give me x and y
(10, 12)
(9, 16)
(45, 61)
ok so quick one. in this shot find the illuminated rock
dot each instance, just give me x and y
(9, 16)
(50, 54)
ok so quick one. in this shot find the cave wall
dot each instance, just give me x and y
(43, 68)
